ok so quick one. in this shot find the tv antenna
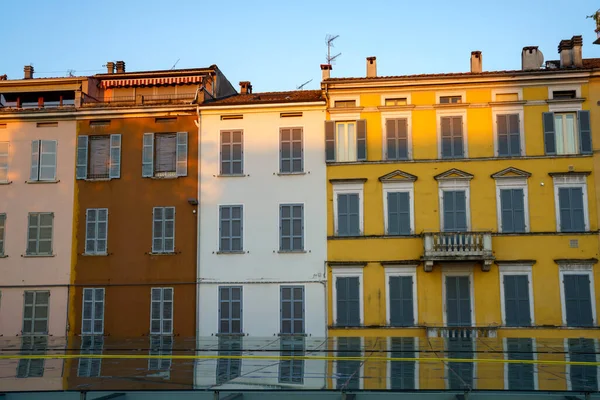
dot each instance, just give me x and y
(70, 72)
(304, 84)
(173, 67)
(329, 40)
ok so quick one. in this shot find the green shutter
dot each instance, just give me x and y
(585, 133)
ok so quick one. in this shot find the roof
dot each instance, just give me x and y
(551, 66)
(154, 73)
(294, 96)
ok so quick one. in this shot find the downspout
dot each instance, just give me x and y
(325, 91)
(197, 123)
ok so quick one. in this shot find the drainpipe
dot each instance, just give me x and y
(197, 123)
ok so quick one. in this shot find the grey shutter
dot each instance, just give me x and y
(572, 217)
(353, 302)
(342, 214)
(391, 135)
(329, 141)
(457, 137)
(35, 160)
(148, 155)
(182, 153)
(401, 301)
(512, 210)
(446, 137)
(584, 378)
(165, 160)
(518, 208)
(361, 140)
(158, 233)
(285, 150)
(549, 135)
(578, 302)
(516, 300)
(397, 139)
(402, 375)
(514, 135)
(353, 215)
(398, 213)
(115, 156)
(455, 212)
(99, 157)
(520, 376)
(458, 301)
(448, 205)
(341, 286)
(502, 126)
(585, 133)
(82, 156)
(564, 203)
(402, 140)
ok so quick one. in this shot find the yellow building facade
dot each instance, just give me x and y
(464, 206)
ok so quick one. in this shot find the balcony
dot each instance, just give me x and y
(462, 332)
(157, 99)
(440, 247)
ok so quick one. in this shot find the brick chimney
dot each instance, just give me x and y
(28, 70)
(120, 67)
(326, 71)
(564, 49)
(371, 67)
(110, 67)
(476, 62)
(576, 53)
(245, 87)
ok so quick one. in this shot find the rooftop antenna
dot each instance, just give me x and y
(173, 67)
(304, 84)
(329, 40)
(71, 72)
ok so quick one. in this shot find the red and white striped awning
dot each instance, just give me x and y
(180, 80)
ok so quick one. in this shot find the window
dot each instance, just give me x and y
(230, 309)
(348, 209)
(517, 306)
(232, 153)
(450, 99)
(161, 311)
(3, 162)
(99, 157)
(163, 230)
(572, 218)
(576, 293)
(512, 210)
(92, 321)
(507, 97)
(160, 345)
(399, 101)
(348, 372)
(455, 211)
(344, 103)
(35, 312)
(401, 300)
(509, 137)
(520, 376)
(582, 378)
(229, 368)
(452, 137)
(165, 155)
(291, 227)
(2, 232)
(460, 374)
(348, 301)
(398, 213)
(291, 152)
(458, 300)
(346, 141)
(564, 94)
(39, 237)
(90, 367)
(292, 371)
(96, 231)
(567, 132)
(397, 143)
(231, 229)
(43, 160)
(292, 309)
(403, 374)
(32, 345)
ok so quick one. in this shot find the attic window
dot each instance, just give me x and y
(165, 120)
(344, 103)
(290, 114)
(507, 96)
(564, 94)
(47, 124)
(227, 117)
(399, 101)
(450, 99)
(102, 122)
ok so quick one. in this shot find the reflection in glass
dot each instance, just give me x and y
(460, 374)
(520, 376)
(292, 371)
(348, 372)
(228, 368)
(403, 373)
(160, 345)
(90, 367)
(32, 345)
(583, 377)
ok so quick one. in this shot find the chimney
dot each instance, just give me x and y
(564, 49)
(531, 58)
(576, 56)
(245, 87)
(28, 70)
(326, 71)
(476, 66)
(120, 67)
(371, 67)
(110, 67)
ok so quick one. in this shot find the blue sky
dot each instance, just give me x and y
(278, 45)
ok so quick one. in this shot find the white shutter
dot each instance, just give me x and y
(169, 230)
(48, 152)
(35, 160)
(101, 230)
(158, 229)
(115, 156)
(3, 161)
(182, 156)
(82, 156)
(148, 155)
(98, 311)
(90, 230)
(167, 311)
(155, 310)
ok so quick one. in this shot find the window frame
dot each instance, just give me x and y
(563, 88)
(347, 272)
(292, 172)
(336, 141)
(361, 379)
(577, 269)
(95, 341)
(294, 346)
(406, 186)
(521, 270)
(95, 252)
(229, 302)
(39, 227)
(93, 311)
(535, 365)
(389, 362)
(37, 345)
(161, 310)
(243, 222)
(163, 221)
(3, 219)
(33, 318)
(38, 167)
(568, 359)
(292, 300)
(454, 185)
(348, 188)
(458, 271)
(567, 181)
(6, 166)
(397, 115)
(509, 90)
(508, 110)
(512, 183)
(401, 271)
(453, 112)
(231, 132)
(163, 348)
(396, 95)
(291, 236)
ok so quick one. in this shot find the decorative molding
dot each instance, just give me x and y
(572, 262)
(515, 262)
(360, 264)
(511, 172)
(349, 180)
(400, 262)
(397, 175)
(453, 173)
(570, 173)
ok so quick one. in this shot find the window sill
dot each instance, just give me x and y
(292, 334)
(451, 105)
(230, 334)
(290, 173)
(573, 100)
(292, 252)
(94, 254)
(162, 178)
(170, 253)
(508, 103)
(97, 179)
(37, 255)
(5, 182)
(231, 175)
(40, 182)
(231, 252)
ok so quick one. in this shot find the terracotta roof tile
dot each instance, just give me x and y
(295, 96)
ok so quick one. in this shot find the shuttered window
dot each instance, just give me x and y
(39, 236)
(348, 301)
(35, 312)
(2, 232)
(92, 320)
(165, 155)
(229, 368)
(578, 300)
(516, 300)
(230, 228)
(520, 376)
(291, 152)
(401, 301)
(3, 161)
(90, 367)
(347, 372)
(396, 131)
(232, 152)
(163, 230)
(458, 301)
(452, 137)
(346, 141)
(572, 216)
(230, 309)
(291, 227)
(460, 374)
(583, 378)
(567, 133)
(509, 137)
(398, 208)
(161, 311)
(43, 160)
(292, 371)
(403, 373)
(162, 346)
(96, 231)
(292, 309)
(348, 217)
(512, 207)
(32, 346)
(455, 211)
